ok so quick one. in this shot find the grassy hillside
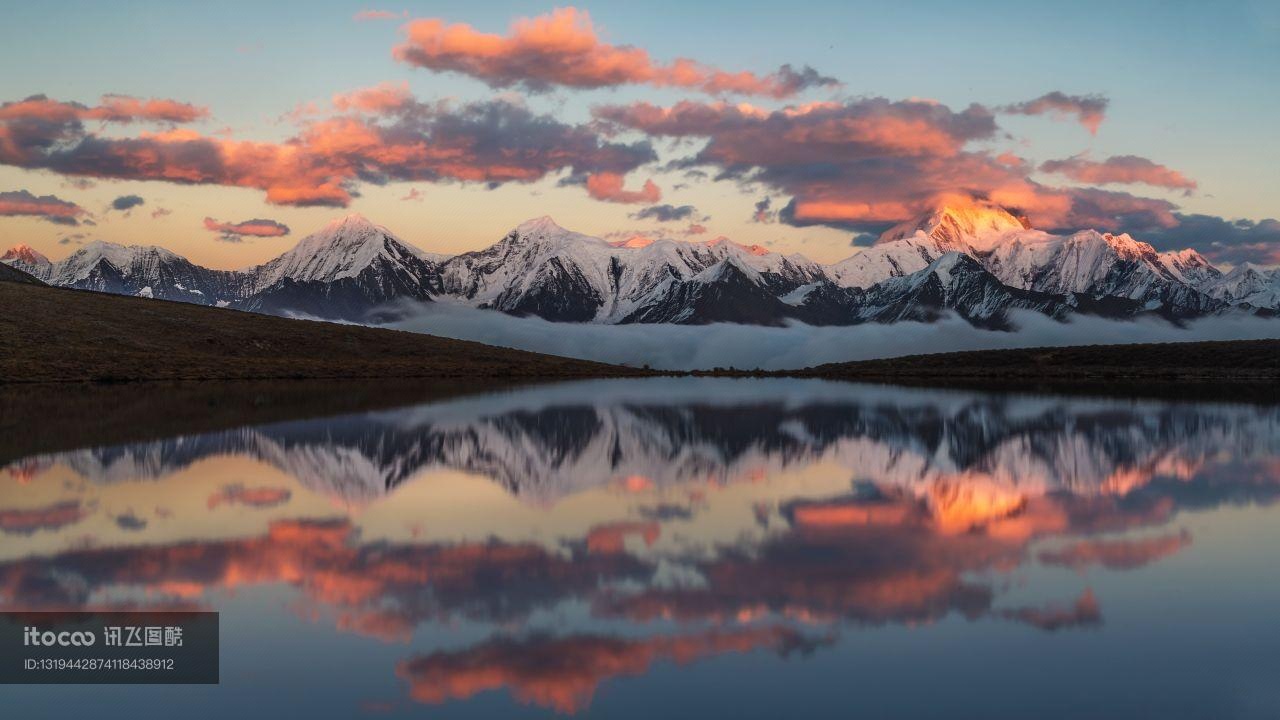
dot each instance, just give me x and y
(59, 335)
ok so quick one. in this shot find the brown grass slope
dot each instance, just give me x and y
(59, 335)
(12, 274)
(1249, 361)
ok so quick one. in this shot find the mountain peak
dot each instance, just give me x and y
(954, 225)
(26, 254)
(544, 225)
(350, 224)
(635, 242)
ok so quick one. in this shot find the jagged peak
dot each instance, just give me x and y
(25, 253)
(352, 221)
(959, 222)
(544, 225)
(115, 251)
(758, 250)
(1247, 268)
(635, 242)
(727, 268)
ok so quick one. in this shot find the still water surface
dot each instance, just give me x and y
(683, 548)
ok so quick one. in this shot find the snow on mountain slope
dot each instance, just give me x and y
(972, 228)
(1189, 267)
(342, 249)
(542, 269)
(539, 268)
(728, 291)
(1097, 264)
(352, 269)
(1246, 283)
(880, 262)
(133, 269)
(958, 283)
(29, 261)
(959, 227)
(343, 271)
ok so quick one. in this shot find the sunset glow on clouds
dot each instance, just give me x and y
(45, 207)
(252, 228)
(593, 116)
(563, 49)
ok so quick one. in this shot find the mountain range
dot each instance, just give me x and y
(977, 261)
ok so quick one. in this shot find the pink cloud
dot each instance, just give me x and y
(1088, 110)
(112, 108)
(1119, 169)
(607, 187)
(563, 49)
(865, 164)
(253, 228)
(491, 142)
(47, 207)
(382, 98)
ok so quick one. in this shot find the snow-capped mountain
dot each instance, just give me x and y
(970, 225)
(142, 270)
(29, 261)
(958, 283)
(542, 269)
(342, 271)
(975, 260)
(1098, 264)
(1246, 283)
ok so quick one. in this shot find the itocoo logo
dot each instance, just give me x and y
(33, 636)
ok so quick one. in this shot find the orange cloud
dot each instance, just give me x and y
(866, 164)
(488, 142)
(112, 108)
(562, 48)
(47, 207)
(608, 187)
(1120, 169)
(385, 97)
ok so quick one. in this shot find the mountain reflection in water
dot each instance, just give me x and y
(547, 542)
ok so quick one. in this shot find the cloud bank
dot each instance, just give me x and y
(683, 347)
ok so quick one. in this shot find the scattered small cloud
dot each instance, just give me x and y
(764, 213)
(46, 207)
(125, 203)
(236, 232)
(1088, 110)
(665, 213)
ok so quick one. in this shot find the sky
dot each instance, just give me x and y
(228, 131)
